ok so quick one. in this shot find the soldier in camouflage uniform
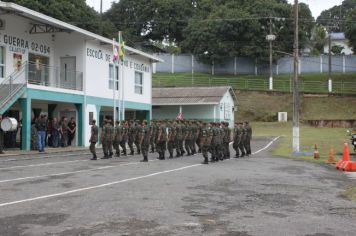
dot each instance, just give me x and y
(236, 140)
(205, 141)
(34, 140)
(226, 140)
(179, 139)
(215, 143)
(107, 139)
(64, 132)
(137, 136)
(93, 139)
(131, 137)
(188, 138)
(117, 137)
(194, 129)
(171, 140)
(161, 141)
(124, 137)
(200, 126)
(145, 136)
(153, 130)
(248, 138)
(242, 136)
(1, 138)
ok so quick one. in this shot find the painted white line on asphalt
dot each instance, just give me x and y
(66, 173)
(351, 175)
(96, 186)
(114, 183)
(42, 157)
(267, 146)
(43, 164)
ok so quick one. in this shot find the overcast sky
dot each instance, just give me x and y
(316, 6)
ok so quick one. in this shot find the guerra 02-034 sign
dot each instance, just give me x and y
(20, 45)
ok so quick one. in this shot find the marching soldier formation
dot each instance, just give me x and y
(178, 137)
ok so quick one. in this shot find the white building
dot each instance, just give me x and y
(49, 66)
(339, 39)
(211, 104)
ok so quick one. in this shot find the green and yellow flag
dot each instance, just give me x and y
(121, 47)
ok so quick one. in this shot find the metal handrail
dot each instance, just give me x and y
(12, 84)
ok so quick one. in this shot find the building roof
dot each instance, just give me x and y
(41, 18)
(338, 36)
(190, 95)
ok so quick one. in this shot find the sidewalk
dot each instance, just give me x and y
(17, 152)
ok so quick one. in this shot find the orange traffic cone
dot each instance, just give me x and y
(316, 152)
(348, 165)
(345, 157)
(331, 156)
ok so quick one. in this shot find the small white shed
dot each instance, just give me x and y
(201, 103)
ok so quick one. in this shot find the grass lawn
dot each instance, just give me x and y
(323, 137)
(309, 82)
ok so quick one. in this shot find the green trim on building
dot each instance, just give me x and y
(81, 119)
(26, 123)
(45, 95)
(109, 103)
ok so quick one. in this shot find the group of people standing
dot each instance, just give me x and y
(185, 137)
(52, 132)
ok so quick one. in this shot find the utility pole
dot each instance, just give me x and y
(101, 17)
(270, 38)
(330, 83)
(296, 140)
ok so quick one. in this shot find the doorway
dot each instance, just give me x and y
(68, 73)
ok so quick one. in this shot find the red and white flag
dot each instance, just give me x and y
(179, 116)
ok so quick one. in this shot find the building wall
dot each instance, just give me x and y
(16, 40)
(225, 111)
(98, 59)
(203, 112)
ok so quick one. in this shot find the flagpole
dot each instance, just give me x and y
(113, 90)
(122, 79)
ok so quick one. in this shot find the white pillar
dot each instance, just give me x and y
(180, 109)
(300, 67)
(270, 83)
(330, 85)
(256, 70)
(277, 69)
(235, 66)
(172, 64)
(215, 113)
(321, 64)
(343, 64)
(213, 68)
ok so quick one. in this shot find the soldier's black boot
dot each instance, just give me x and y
(178, 154)
(132, 153)
(111, 154)
(145, 159)
(118, 154)
(170, 155)
(94, 157)
(242, 154)
(205, 160)
(105, 156)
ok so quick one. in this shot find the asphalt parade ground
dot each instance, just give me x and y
(67, 194)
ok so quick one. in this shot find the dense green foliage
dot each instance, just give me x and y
(75, 12)
(334, 18)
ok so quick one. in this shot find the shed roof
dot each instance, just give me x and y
(190, 95)
(10, 7)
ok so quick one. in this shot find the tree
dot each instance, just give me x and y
(350, 28)
(334, 18)
(75, 12)
(224, 29)
(154, 20)
(318, 39)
